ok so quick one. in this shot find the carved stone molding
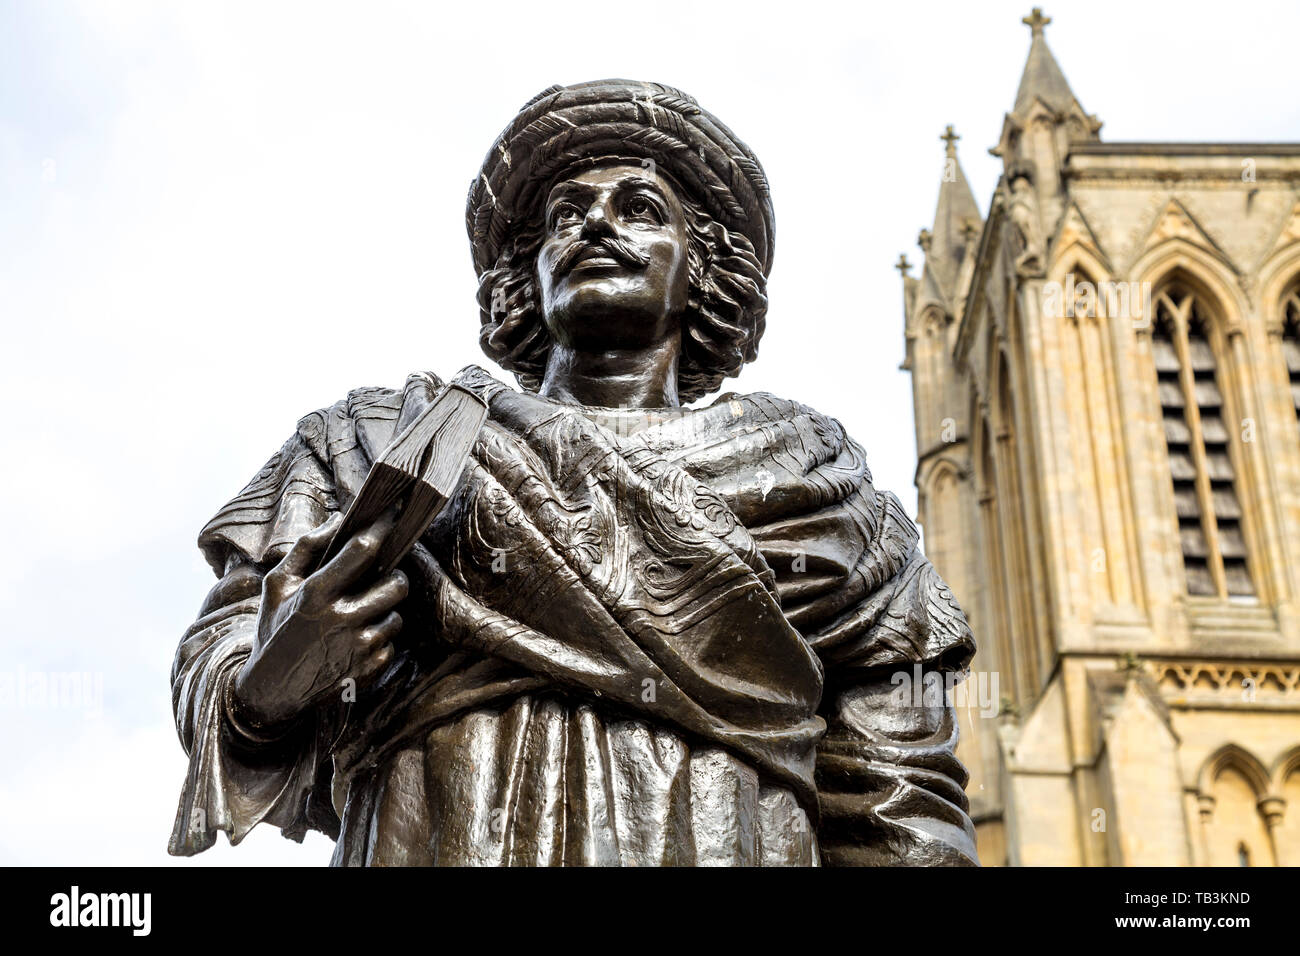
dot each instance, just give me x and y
(1227, 683)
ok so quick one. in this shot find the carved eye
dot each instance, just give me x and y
(564, 214)
(638, 207)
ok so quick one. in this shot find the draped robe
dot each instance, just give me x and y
(638, 638)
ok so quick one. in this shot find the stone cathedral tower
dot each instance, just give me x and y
(1106, 376)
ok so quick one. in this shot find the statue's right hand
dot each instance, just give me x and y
(314, 629)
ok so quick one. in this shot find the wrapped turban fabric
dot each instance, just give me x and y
(633, 637)
(565, 128)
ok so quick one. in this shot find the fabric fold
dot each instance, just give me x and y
(603, 585)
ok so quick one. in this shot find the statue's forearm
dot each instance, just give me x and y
(236, 778)
(889, 783)
(210, 653)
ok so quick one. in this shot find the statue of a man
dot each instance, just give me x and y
(1027, 233)
(637, 633)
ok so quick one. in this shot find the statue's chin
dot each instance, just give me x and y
(608, 324)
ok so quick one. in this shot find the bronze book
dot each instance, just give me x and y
(415, 475)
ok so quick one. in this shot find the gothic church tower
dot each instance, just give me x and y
(1106, 380)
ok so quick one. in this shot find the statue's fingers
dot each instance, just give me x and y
(369, 665)
(377, 636)
(306, 550)
(357, 556)
(377, 600)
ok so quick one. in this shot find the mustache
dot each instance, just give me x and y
(618, 249)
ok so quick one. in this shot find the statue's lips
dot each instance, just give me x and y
(596, 264)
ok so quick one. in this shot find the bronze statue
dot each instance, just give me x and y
(637, 633)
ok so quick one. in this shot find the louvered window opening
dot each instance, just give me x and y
(1197, 437)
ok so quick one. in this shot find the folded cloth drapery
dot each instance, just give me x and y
(627, 634)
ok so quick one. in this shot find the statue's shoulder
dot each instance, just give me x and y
(764, 406)
(368, 414)
(298, 486)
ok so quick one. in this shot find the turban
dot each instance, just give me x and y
(590, 124)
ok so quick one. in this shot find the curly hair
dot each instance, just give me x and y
(725, 314)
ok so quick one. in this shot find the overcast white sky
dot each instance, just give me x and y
(217, 217)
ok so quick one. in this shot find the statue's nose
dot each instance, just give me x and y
(597, 222)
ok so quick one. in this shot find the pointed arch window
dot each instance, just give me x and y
(1291, 341)
(934, 377)
(1234, 824)
(1017, 576)
(997, 613)
(1198, 439)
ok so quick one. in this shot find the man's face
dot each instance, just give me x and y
(612, 268)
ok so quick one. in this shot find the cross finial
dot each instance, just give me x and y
(902, 265)
(1036, 21)
(950, 141)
